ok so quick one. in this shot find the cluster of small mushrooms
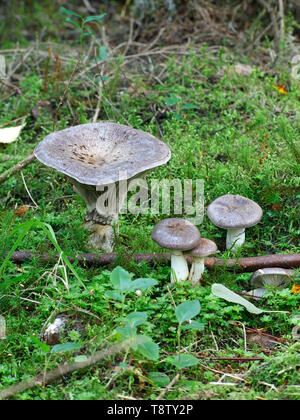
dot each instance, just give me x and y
(97, 157)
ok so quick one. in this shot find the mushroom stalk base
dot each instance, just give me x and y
(101, 220)
(179, 267)
(235, 238)
(197, 270)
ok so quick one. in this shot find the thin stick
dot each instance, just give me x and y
(62, 370)
(28, 192)
(168, 387)
(18, 167)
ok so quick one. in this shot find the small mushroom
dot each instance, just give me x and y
(234, 213)
(273, 276)
(205, 248)
(97, 157)
(177, 235)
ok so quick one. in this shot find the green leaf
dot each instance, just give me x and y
(187, 310)
(159, 379)
(148, 347)
(91, 18)
(113, 294)
(137, 318)
(44, 347)
(121, 279)
(183, 361)
(142, 284)
(68, 19)
(60, 348)
(223, 292)
(194, 325)
(189, 106)
(126, 331)
(172, 100)
(68, 12)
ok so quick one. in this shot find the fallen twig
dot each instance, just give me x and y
(249, 264)
(62, 370)
(18, 167)
(168, 387)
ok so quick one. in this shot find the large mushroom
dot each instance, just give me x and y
(97, 157)
(177, 235)
(234, 213)
(204, 248)
(273, 276)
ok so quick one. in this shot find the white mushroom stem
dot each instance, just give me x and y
(197, 270)
(103, 206)
(235, 238)
(179, 267)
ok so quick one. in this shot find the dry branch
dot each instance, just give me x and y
(18, 167)
(242, 264)
(62, 370)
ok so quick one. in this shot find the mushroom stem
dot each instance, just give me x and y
(179, 267)
(235, 238)
(197, 270)
(103, 205)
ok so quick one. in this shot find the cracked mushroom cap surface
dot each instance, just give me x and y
(204, 248)
(101, 153)
(234, 211)
(176, 234)
(273, 276)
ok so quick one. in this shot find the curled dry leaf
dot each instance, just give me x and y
(10, 134)
(21, 210)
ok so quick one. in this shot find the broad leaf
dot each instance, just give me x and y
(10, 134)
(183, 361)
(223, 292)
(61, 348)
(121, 279)
(194, 325)
(137, 318)
(142, 284)
(159, 378)
(148, 348)
(187, 310)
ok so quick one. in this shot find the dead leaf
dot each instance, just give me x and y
(263, 340)
(20, 211)
(10, 134)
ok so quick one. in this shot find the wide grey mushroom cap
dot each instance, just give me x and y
(177, 234)
(273, 276)
(102, 153)
(234, 212)
(204, 248)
